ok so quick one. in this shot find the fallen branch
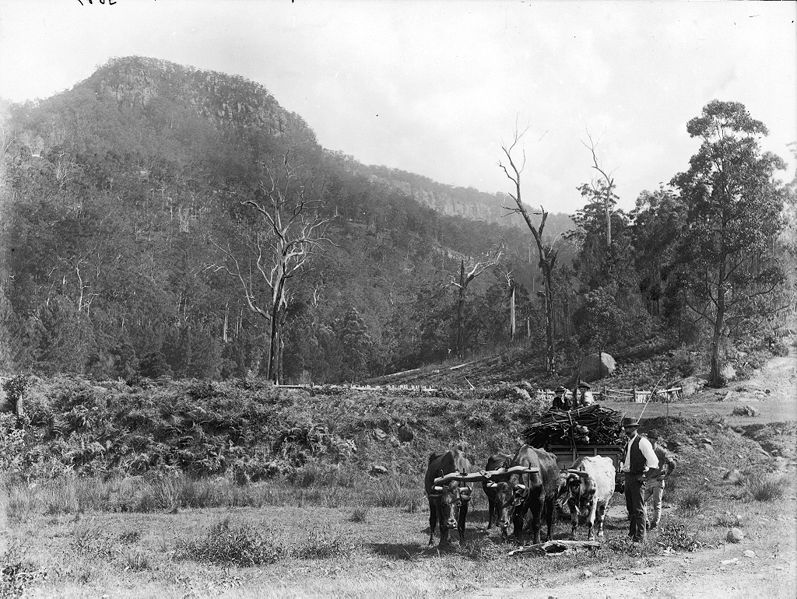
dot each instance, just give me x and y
(556, 547)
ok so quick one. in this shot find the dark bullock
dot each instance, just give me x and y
(499, 495)
(534, 493)
(448, 502)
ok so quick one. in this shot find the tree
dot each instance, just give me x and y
(355, 345)
(734, 208)
(601, 190)
(462, 287)
(657, 222)
(546, 253)
(286, 232)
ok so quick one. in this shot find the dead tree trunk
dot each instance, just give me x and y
(546, 253)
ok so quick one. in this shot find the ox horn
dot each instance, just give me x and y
(520, 487)
(581, 473)
(492, 484)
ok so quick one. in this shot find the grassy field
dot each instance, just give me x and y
(303, 551)
(346, 534)
(306, 494)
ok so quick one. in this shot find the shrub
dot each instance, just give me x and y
(691, 500)
(360, 514)
(684, 362)
(17, 572)
(136, 560)
(226, 544)
(90, 540)
(766, 488)
(391, 493)
(677, 537)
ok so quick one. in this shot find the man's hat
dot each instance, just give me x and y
(583, 385)
(629, 422)
(560, 389)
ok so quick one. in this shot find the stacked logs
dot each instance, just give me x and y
(590, 425)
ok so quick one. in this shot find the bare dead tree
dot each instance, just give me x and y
(605, 190)
(289, 232)
(546, 253)
(512, 286)
(477, 269)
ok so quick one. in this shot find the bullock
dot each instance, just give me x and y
(590, 486)
(448, 502)
(533, 492)
(498, 493)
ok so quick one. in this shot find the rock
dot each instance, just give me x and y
(732, 476)
(594, 367)
(377, 470)
(587, 574)
(745, 410)
(735, 535)
(707, 440)
(379, 434)
(728, 372)
(405, 433)
(728, 562)
(749, 553)
(691, 385)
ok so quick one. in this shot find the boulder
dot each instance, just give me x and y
(735, 535)
(594, 367)
(377, 470)
(691, 385)
(732, 476)
(728, 372)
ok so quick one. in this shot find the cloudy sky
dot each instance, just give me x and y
(436, 87)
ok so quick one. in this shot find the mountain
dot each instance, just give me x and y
(465, 202)
(121, 195)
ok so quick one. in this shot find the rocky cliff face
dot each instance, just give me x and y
(229, 101)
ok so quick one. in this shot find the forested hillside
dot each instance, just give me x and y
(119, 194)
(162, 220)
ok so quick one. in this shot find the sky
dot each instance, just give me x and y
(436, 88)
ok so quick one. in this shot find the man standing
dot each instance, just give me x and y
(655, 490)
(639, 460)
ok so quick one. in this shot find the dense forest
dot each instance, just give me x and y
(159, 220)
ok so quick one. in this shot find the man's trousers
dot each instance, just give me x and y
(635, 503)
(654, 491)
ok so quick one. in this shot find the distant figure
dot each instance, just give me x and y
(560, 401)
(654, 491)
(585, 397)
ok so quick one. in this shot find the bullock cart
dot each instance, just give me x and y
(570, 435)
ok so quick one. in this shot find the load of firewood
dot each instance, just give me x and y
(591, 425)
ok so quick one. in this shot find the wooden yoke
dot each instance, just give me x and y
(491, 475)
